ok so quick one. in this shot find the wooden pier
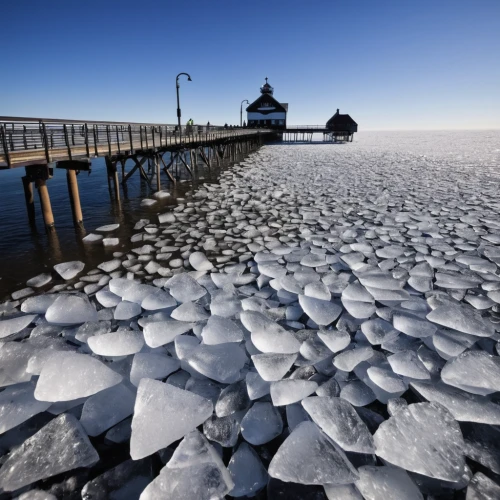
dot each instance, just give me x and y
(39, 145)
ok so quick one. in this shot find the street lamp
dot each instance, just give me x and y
(241, 111)
(178, 105)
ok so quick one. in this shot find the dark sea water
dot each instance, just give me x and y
(26, 251)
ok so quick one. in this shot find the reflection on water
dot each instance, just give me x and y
(27, 250)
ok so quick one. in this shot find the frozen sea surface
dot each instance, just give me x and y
(322, 323)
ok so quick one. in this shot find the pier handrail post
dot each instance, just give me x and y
(5, 146)
(45, 141)
(86, 129)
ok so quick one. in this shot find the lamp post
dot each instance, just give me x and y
(178, 105)
(241, 111)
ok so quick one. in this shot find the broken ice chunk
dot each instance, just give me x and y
(261, 424)
(106, 408)
(70, 310)
(482, 487)
(68, 270)
(184, 288)
(199, 261)
(322, 312)
(219, 330)
(120, 343)
(271, 366)
(408, 364)
(423, 438)
(189, 311)
(348, 360)
(159, 333)
(308, 457)
(473, 371)
(247, 472)
(463, 406)
(18, 404)
(163, 414)
(285, 392)
(15, 325)
(461, 318)
(388, 483)
(67, 375)
(158, 300)
(152, 365)
(338, 419)
(220, 362)
(59, 446)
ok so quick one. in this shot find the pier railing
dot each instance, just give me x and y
(28, 140)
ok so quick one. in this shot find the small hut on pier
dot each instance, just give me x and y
(341, 127)
(266, 111)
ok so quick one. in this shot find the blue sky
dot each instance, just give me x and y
(402, 64)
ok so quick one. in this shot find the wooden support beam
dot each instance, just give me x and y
(30, 201)
(74, 197)
(166, 168)
(186, 165)
(43, 192)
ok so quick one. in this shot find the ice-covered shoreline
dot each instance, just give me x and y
(336, 298)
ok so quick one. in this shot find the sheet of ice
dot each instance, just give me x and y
(308, 457)
(322, 312)
(152, 365)
(339, 420)
(92, 238)
(225, 304)
(342, 492)
(184, 288)
(59, 446)
(285, 392)
(261, 424)
(476, 372)
(387, 483)
(159, 333)
(106, 408)
(163, 414)
(70, 310)
(120, 343)
(15, 325)
(247, 472)
(67, 375)
(423, 438)
(68, 270)
(223, 430)
(274, 338)
(18, 404)
(220, 362)
(272, 366)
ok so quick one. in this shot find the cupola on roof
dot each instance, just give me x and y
(266, 88)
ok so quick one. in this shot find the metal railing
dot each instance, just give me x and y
(51, 139)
